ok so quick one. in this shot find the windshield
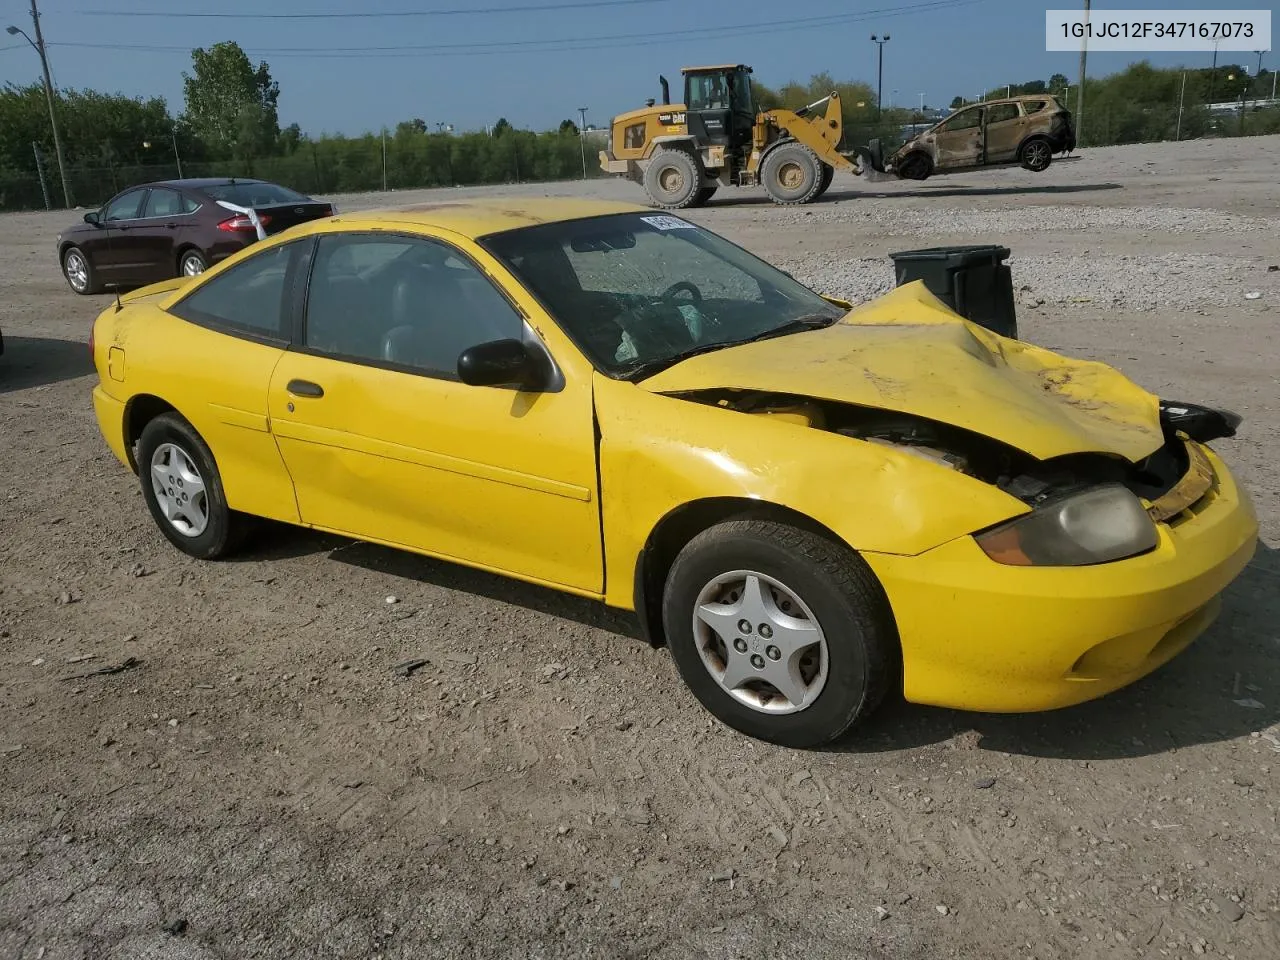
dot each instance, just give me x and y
(252, 194)
(637, 292)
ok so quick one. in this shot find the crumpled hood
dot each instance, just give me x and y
(907, 352)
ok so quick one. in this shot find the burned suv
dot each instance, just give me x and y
(1026, 130)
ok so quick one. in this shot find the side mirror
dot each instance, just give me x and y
(499, 363)
(91, 217)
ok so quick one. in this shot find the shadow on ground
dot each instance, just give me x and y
(1191, 700)
(38, 361)
(740, 198)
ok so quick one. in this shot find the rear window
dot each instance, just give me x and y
(252, 194)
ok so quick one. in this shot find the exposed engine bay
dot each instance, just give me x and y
(992, 461)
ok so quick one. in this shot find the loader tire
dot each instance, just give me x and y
(674, 179)
(705, 194)
(792, 174)
(828, 174)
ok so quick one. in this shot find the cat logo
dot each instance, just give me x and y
(671, 119)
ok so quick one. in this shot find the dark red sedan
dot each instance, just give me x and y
(174, 227)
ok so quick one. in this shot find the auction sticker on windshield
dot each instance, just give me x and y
(668, 223)
(1153, 30)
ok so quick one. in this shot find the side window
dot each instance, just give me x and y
(966, 120)
(1034, 106)
(633, 136)
(124, 207)
(162, 203)
(405, 301)
(190, 205)
(1002, 112)
(249, 298)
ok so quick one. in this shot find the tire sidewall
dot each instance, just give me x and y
(171, 428)
(844, 695)
(1035, 142)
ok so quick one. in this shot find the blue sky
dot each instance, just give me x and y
(941, 48)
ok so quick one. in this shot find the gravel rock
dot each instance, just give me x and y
(1231, 910)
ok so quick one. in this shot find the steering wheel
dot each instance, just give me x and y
(671, 291)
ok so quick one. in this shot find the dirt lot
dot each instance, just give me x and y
(262, 784)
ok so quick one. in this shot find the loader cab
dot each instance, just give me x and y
(719, 103)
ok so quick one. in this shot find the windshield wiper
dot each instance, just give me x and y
(811, 321)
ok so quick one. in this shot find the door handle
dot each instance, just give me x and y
(305, 388)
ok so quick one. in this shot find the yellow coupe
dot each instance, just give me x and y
(809, 504)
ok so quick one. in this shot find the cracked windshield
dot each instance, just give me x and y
(640, 292)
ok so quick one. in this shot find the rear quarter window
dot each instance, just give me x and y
(1034, 106)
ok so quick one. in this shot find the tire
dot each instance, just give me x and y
(828, 174)
(704, 195)
(191, 263)
(79, 272)
(792, 174)
(674, 179)
(1036, 155)
(173, 457)
(843, 674)
(916, 166)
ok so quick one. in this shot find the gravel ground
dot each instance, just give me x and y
(262, 784)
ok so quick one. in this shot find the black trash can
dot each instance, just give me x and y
(974, 281)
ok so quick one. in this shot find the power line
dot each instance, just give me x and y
(374, 14)
(554, 45)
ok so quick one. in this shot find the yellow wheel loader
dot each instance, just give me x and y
(682, 153)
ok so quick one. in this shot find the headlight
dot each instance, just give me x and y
(1096, 526)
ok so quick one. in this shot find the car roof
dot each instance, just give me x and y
(195, 183)
(480, 217)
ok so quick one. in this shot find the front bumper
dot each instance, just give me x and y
(978, 635)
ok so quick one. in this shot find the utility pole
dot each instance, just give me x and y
(582, 140)
(1213, 73)
(1181, 96)
(173, 135)
(38, 45)
(880, 42)
(384, 159)
(1084, 52)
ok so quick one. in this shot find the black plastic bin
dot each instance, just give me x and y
(973, 281)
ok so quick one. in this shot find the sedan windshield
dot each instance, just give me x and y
(640, 292)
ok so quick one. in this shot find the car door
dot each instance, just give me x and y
(958, 141)
(1004, 129)
(233, 329)
(153, 237)
(108, 246)
(385, 443)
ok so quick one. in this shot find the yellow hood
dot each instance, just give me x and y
(907, 352)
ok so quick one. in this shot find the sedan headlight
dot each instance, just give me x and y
(1095, 526)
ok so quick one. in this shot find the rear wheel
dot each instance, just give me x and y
(792, 173)
(79, 272)
(1036, 155)
(183, 489)
(674, 179)
(782, 634)
(828, 174)
(192, 263)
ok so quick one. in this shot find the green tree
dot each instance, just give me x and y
(568, 126)
(501, 127)
(230, 104)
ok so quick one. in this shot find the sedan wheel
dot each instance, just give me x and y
(192, 264)
(78, 271)
(1037, 155)
(781, 633)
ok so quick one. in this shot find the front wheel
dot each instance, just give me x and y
(791, 173)
(674, 179)
(81, 277)
(183, 489)
(1036, 155)
(780, 633)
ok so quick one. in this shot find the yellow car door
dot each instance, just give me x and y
(385, 443)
